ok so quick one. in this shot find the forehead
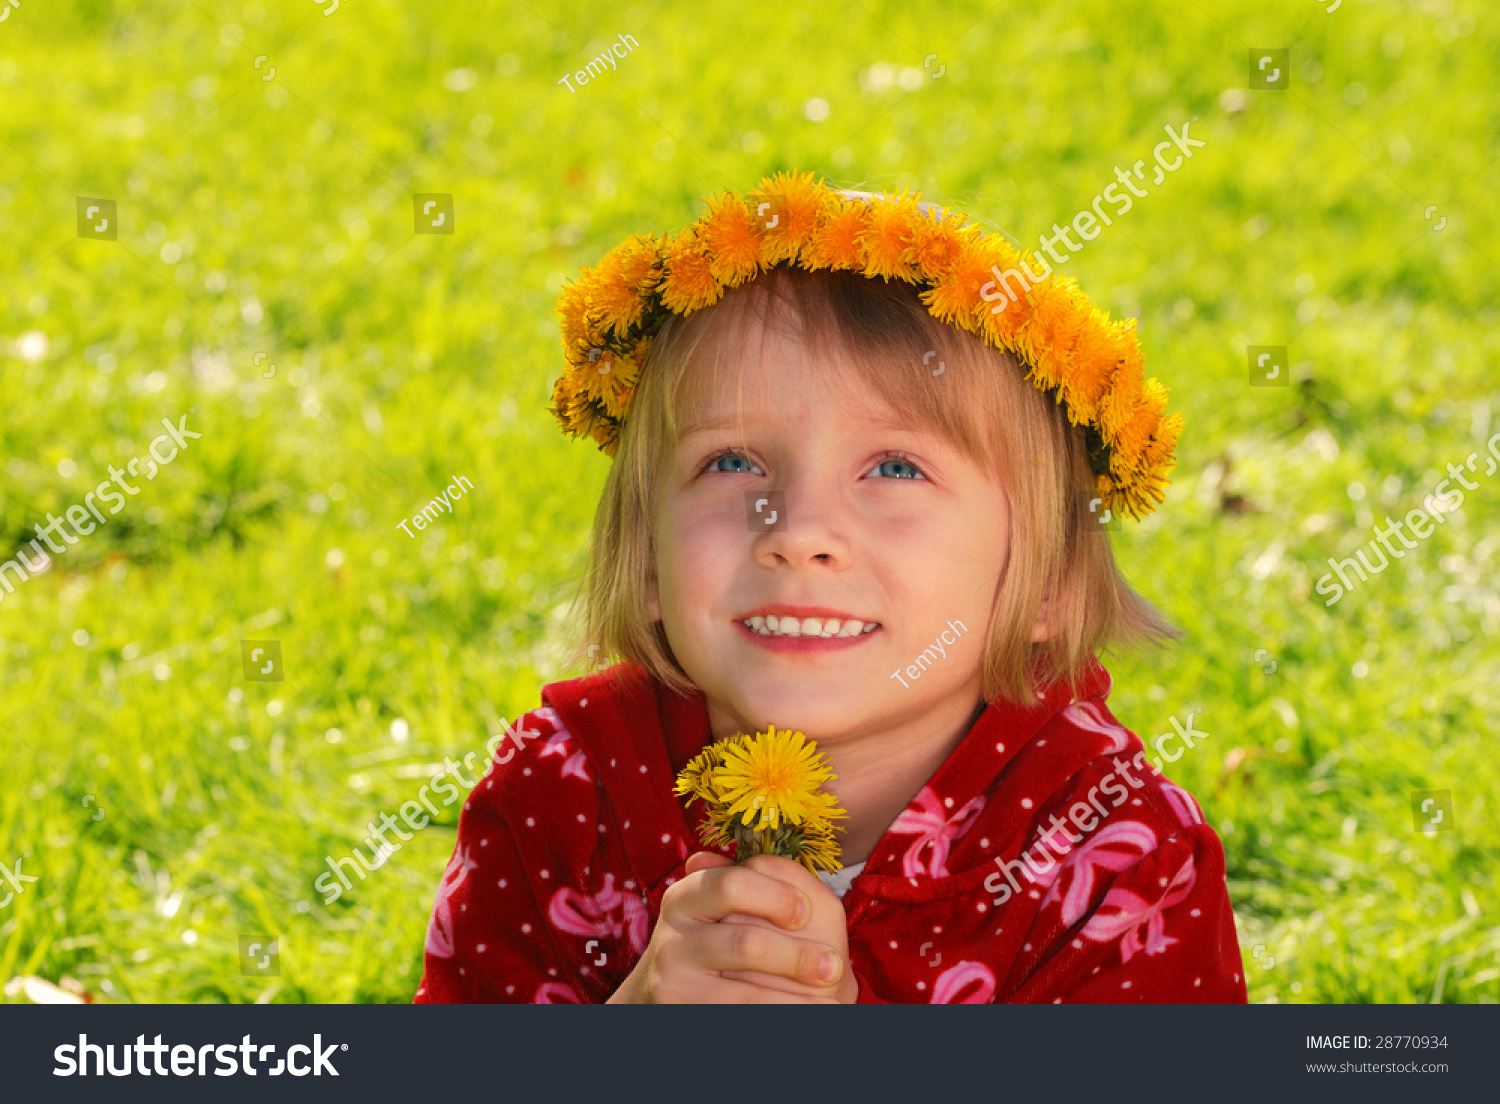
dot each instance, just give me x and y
(755, 373)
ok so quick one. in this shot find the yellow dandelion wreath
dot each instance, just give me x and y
(1068, 348)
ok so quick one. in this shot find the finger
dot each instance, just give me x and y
(706, 860)
(737, 888)
(785, 985)
(786, 870)
(728, 947)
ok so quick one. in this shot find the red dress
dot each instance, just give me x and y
(1043, 862)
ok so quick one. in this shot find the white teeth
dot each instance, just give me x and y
(808, 626)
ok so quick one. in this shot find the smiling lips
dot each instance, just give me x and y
(806, 622)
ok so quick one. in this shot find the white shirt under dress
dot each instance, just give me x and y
(839, 881)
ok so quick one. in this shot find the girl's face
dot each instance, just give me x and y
(872, 522)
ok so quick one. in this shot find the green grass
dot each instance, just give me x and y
(274, 216)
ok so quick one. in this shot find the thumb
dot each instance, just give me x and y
(706, 860)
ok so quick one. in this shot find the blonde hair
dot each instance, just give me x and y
(978, 399)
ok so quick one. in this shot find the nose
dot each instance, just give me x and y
(815, 534)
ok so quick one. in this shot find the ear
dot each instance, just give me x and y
(1041, 628)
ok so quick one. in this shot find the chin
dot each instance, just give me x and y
(807, 709)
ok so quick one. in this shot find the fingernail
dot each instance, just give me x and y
(829, 966)
(804, 912)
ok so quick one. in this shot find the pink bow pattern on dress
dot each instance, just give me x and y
(1089, 717)
(604, 915)
(932, 830)
(959, 977)
(440, 926)
(1124, 913)
(574, 761)
(1114, 848)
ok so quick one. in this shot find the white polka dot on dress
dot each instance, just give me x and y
(526, 927)
(461, 971)
(479, 947)
(893, 944)
(1026, 947)
(484, 843)
(531, 822)
(582, 702)
(643, 768)
(921, 985)
(510, 988)
(982, 907)
(1196, 912)
(1025, 802)
(666, 837)
(1056, 1000)
(984, 842)
(1000, 748)
(1041, 743)
(502, 883)
(545, 874)
(947, 803)
(1124, 985)
(1197, 982)
(581, 818)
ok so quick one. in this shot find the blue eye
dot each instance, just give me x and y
(883, 468)
(745, 466)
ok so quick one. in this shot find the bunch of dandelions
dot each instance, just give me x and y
(763, 796)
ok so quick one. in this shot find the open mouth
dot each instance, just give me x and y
(824, 628)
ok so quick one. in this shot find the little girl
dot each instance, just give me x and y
(865, 457)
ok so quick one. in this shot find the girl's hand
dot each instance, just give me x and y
(692, 958)
(828, 925)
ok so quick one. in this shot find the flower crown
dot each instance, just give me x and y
(1068, 348)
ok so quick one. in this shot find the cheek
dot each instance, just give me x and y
(696, 550)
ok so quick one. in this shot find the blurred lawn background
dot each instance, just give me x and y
(169, 806)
